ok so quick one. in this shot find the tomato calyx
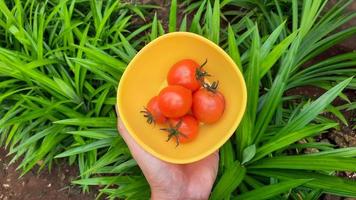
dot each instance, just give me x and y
(211, 87)
(173, 131)
(200, 73)
(147, 114)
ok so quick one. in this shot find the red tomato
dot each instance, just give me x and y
(153, 113)
(208, 105)
(187, 73)
(184, 129)
(175, 101)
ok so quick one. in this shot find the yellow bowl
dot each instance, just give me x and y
(146, 75)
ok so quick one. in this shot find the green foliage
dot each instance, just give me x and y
(267, 192)
(60, 63)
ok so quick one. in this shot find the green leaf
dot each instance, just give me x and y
(348, 152)
(136, 189)
(243, 37)
(252, 85)
(129, 49)
(108, 158)
(160, 29)
(207, 27)
(101, 99)
(273, 97)
(253, 182)
(248, 153)
(33, 139)
(233, 48)
(96, 133)
(89, 122)
(328, 85)
(105, 18)
(267, 192)
(67, 90)
(272, 38)
(154, 28)
(314, 195)
(307, 163)
(229, 181)
(226, 155)
(86, 148)
(195, 25)
(295, 15)
(102, 72)
(312, 110)
(243, 135)
(252, 79)
(124, 166)
(48, 144)
(115, 66)
(290, 138)
(104, 180)
(138, 11)
(215, 29)
(138, 31)
(329, 184)
(337, 113)
(183, 25)
(276, 53)
(173, 16)
(14, 129)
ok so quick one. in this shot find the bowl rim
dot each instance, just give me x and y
(218, 144)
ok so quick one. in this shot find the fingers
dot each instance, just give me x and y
(149, 164)
(135, 149)
(146, 161)
(125, 135)
(215, 159)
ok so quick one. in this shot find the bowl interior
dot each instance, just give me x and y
(146, 75)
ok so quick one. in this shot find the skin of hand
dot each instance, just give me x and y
(173, 181)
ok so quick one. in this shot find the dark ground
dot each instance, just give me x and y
(33, 186)
(56, 185)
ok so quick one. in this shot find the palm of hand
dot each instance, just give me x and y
(172, 181)
(190, 181)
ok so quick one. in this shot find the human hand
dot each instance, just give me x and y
(173, 181)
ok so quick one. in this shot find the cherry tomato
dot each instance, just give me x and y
(184, 129)
(153, 113)
(208, 105)
(187, 73)
(175, 101)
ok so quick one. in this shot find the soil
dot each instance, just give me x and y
(45, 185)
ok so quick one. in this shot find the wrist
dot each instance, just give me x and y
(158, 194)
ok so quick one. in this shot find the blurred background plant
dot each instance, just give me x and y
(60, 63)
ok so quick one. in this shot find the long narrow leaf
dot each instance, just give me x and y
(267, 192)
(229, 181)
